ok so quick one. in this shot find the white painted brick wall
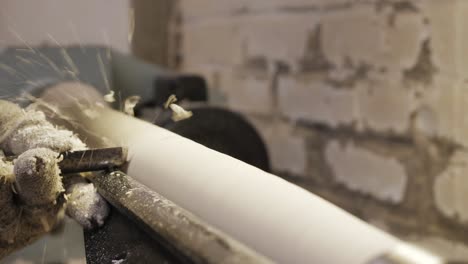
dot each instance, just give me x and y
(280, 37)
(443, 33)
(301, 99)
(199, 9)
(287, 150)
(444, 99)
(450, 188)
(249, 93)
(384, 105)
(402, 41)
(196, 9)
(357, 35)
(214, 42)
(361, 170)
(415, 61)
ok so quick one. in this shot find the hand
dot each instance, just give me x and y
(32, 195)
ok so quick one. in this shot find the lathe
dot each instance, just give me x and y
(177, 198)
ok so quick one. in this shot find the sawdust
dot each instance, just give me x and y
(32, 199)
(6, 170)
(23, 130)
(86, 206)
(38, 180)
(8, 207)
(10, 117)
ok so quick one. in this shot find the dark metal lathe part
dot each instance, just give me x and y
(120, 240)
(191, 240)
(92, 160)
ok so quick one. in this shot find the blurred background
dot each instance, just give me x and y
(359, 101)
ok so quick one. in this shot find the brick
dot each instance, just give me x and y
(363, 35)
(212, 42)
(461, 41)
(363, 171)
(443, 33)
(295, 4)
(384, 105)
(196, 9)
(424, 121)
(208, 71)
(450, 188)
(201, 9)
(402, 41)
(315, 101)
(355, 34)
(439, 99)
(248, 93)
(447, 100)
(287, 150)
(278, 37)
(212, 75)
(448, 35)
(461, 102)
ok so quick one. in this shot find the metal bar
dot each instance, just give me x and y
(180, 231)
(93, 160)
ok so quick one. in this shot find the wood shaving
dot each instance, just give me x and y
(87, 207)
(172, 99)
(130, 104)
(38, 180)
(178, 113)
(110, 97)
